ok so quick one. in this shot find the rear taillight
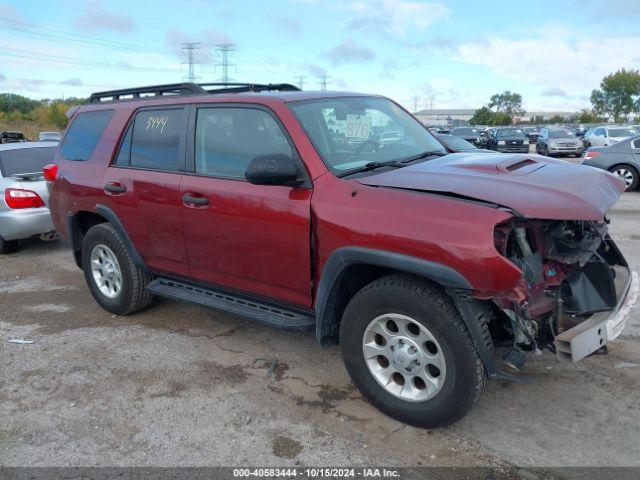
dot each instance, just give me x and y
(50, 172)
(591, 154)
(18, 198)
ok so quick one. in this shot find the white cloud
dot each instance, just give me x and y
(395, 16)
(549, 61)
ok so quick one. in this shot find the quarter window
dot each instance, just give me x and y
(83, 134)
(227, 139)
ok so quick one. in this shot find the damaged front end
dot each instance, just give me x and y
(575, 292)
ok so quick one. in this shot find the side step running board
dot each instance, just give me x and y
(274, 316)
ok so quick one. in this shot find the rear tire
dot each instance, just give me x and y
(627, 173)
(8, 246)
(115, 281)
(420, 310)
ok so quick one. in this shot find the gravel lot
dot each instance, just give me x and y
(181, 385)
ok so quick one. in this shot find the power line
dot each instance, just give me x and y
(27, 29)
(224, 50)
(56, 60)
(323, 82)
(190, 49)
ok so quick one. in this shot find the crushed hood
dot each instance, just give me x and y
(531, 185)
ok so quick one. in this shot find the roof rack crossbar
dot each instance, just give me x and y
(154, 91)
(187, 89)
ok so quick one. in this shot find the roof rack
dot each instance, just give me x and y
(179, 89)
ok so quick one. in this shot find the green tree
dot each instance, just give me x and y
(482, 116)
(502, 118)
(588, 117)
(618, 96)
(11, 101)
(507, 102)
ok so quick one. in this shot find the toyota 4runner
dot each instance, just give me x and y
(286, 207)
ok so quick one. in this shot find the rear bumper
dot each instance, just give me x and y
(19, 224)
(587, 337)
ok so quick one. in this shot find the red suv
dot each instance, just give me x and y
(286, 207)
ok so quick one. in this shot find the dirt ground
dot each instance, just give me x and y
(182, 385)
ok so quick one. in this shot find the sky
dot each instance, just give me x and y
(440, 54)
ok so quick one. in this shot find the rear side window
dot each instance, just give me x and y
(25, 160)
(227, 139)
(83, 134)
(154, 140)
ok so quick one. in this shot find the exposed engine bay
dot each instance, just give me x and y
(571, 270)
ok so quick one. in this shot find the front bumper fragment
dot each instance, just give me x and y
(601, 328)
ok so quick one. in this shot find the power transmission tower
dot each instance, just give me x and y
(190, 49)
(224, 50)
(323, 82)
(416, 99)
(431, 97)
(301, 82)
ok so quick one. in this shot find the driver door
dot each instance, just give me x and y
(244, 237)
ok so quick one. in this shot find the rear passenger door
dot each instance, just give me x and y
(142, 186)
(252, 238)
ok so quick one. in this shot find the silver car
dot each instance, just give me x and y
(605, 136)
(558, 141)
(24, 196)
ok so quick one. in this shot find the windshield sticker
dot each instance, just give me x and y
(358, 127)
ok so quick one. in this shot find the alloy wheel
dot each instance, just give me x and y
(404, 357)
(105, 270)
(625, 174)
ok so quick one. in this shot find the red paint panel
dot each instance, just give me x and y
(253, 238)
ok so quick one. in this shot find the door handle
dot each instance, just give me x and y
(115, 187)
(190, 199)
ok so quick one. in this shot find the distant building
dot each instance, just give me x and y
(445, 116)
(461, 116)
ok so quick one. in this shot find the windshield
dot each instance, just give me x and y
(510, 133)
(472, 132)
(621, 132)
(25, 160)
(351, 132)
(560, 134)
(456, 144)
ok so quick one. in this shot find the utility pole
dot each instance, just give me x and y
(301, 82)
(323, 82)
(224, 50)
(190, 49)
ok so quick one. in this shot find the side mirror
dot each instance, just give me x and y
(272, 169)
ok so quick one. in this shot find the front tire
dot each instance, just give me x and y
(115, 281)
(409, 352)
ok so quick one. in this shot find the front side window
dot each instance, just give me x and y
(349, 133)
(228, 138)
(83, 134)
(622, 132)
(155, 141)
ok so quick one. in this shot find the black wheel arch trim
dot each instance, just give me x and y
(115, 222)
(342, 258)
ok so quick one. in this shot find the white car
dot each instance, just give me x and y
(605, 136)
